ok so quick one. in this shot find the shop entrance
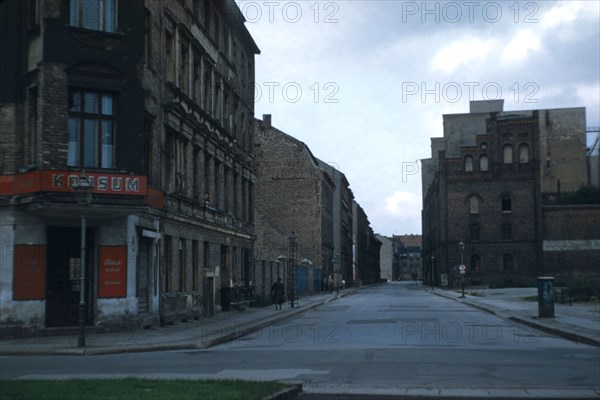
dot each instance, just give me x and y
(63, 283)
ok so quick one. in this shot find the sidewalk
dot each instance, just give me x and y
(194, 334)
(579, 322)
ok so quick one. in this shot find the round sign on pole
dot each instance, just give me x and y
(462, 268)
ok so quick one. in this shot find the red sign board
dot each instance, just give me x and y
(112, 271)
(62, 181)
(29, 274)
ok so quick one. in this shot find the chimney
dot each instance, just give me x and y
(267, 120)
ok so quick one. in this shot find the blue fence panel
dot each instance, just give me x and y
(302, 280)
(317, 280)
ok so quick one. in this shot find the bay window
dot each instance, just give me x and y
(92, 126)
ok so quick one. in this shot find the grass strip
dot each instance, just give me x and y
(133, 388)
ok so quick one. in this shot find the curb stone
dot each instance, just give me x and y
(286, 394)
(574, 337)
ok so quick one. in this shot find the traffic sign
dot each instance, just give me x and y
(462, 268)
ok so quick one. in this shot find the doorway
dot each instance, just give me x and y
(63, 283)
(209, 296)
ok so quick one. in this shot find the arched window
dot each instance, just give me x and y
(474, 231)
(523, 153)
(507, 154)
(484, 163)
(507, 262)
(473, 205)
(506, 203)
(468, 164)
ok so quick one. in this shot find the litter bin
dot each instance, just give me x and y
(545, 296)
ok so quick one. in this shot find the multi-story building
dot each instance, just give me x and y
(409, 249)
(389, 259)
(147, 102)
(366, 248)
(341, 264)
(294, 198)
(487, 191)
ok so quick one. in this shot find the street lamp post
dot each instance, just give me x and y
(432, 264)
(83, 194)
(293, 242)
(461, 248)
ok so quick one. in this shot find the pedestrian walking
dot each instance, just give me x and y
(278, 294)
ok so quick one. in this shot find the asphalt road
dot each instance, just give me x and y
(382, 336)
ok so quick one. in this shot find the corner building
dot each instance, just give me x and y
(148, 100)
(489, 185)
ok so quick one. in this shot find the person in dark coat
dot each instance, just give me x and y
(277, 294)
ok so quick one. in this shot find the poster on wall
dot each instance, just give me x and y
(112, 271)
(29, 272)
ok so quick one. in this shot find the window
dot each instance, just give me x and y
(197, 76)
(147, 36)
(507, 154)
(506, 203)
(170, 60)
(474, 231)
(195, 265)
(99, 15)
(473, 205)
(468, 164)
(92, 126)
(484, 163)
(523, 154)
(506, 231)
(168, 262)
(507, 262)
(475, 263)
(183, 69)
(176, 164)
(208, 182)
(182, 270)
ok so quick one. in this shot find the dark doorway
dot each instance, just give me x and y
(209, 296)
(145, 262)
(63, 283)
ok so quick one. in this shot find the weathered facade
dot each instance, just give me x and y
(147, 100)
(366, 248)
(409, 263)
(340, 266)
(294, 197)
(485, 187)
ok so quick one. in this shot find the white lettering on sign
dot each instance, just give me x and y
(111, 184)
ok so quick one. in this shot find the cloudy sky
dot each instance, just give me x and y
(365, 83)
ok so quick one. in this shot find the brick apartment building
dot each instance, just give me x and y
(490, 185)
(148, 102)
(294, 197)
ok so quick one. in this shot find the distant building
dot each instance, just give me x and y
(409, 248)
(492, 195)
(341, 264)
(366, 248)
(389, 259)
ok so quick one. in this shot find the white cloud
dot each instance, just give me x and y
(462, 52)
(403, 204)
(519, 47)
(563, 13)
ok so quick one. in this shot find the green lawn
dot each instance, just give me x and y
(131, 389)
